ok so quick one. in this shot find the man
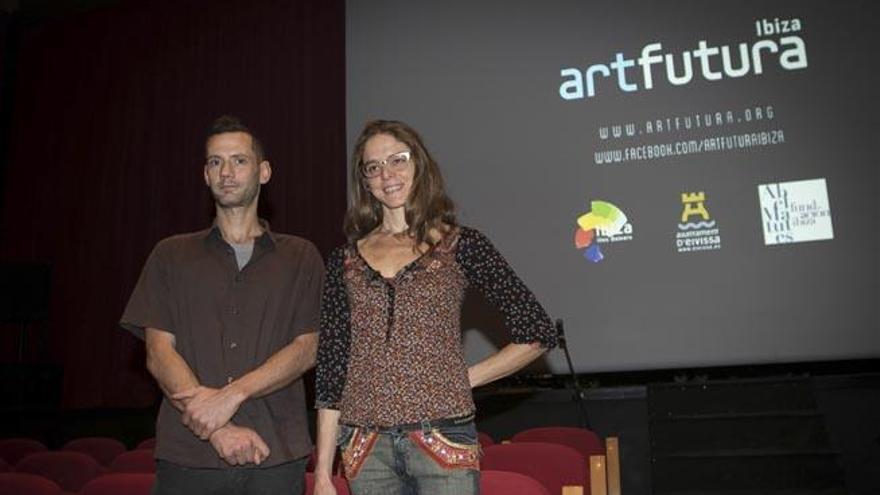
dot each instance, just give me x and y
(229, 316)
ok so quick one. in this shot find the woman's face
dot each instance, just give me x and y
(384, 155)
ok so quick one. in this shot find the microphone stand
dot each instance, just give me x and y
(577, 392)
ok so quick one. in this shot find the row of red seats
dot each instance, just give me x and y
(491, 483)
(108, 484)
(103, 449)
(72, 470)
(93, 466)
(554, 457)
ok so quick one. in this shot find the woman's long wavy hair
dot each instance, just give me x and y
(428, 208)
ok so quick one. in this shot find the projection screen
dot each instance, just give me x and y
(683, 183)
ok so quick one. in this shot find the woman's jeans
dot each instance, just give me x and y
(440, 459)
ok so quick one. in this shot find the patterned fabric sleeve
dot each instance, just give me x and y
(489, 272)
(334, 337)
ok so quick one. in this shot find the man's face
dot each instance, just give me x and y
(232, 171)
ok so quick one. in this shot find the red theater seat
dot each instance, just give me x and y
(581, 439)
(149, 443)
(485, 440)
(339, 483)
(27, 484)
(13, 450)
(310, 466)
(134, 461)
(71, 470)
(554, 466)
(102, 449)
(508, 483)
(120, 484)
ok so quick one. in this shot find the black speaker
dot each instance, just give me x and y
(24, 292)
(30, 387)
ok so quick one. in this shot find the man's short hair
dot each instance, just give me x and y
(228, 123)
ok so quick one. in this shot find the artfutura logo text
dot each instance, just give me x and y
(714, 62)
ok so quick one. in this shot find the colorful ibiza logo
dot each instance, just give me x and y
(605, 220)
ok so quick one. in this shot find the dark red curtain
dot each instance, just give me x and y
(106, 149)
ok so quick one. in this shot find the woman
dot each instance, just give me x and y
(393, 388)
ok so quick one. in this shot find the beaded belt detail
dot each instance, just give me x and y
(447, 453)
(359, 447)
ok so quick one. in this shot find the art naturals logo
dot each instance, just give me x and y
(714, 62)
(697, 230)
(795, 211)
(603, 224)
